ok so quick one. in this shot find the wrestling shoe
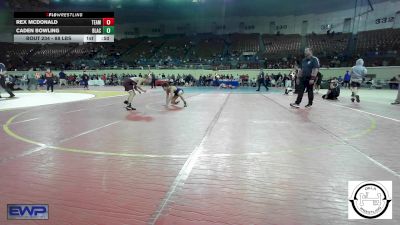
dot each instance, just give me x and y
(129, 107)
(358, 98)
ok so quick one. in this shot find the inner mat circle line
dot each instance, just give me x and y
(186, 169)
(43, 146)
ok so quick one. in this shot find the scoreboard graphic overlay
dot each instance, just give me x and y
(63, 27)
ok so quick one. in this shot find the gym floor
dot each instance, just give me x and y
(230, 157)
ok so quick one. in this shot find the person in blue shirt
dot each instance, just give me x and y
(173, 93)
(346, 80)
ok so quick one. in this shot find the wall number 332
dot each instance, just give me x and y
(385, 20)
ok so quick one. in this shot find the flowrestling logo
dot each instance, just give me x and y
(370, 200)
(28, 212)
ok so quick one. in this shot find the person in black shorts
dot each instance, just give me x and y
(49, 80)
(132, 84)
(129, 86)
(357, 73)
(306, 77)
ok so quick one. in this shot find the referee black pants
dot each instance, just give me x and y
(302, 86)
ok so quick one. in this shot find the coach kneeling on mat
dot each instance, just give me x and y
(306, 77)
(333, 90)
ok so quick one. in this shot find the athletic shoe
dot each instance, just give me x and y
(184, 104)
(395, 103)
(129, 108)
(295, 105)
(257, 90)
(12, 96)
(126, 102)
(308, 106)
(352, 99)
(358, 98)
(176, 103)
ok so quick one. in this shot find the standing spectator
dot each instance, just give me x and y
(318, 82)
(346, 80)
(63, 78)
(153, 80)
(85, 79)
(294, 75)
(306, 78)
(104, 78)
(24, 81)
(49, 80)
(261, 80)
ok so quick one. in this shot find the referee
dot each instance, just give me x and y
(306, 77)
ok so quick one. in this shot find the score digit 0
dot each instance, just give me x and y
(108, 21)
(108, 30)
